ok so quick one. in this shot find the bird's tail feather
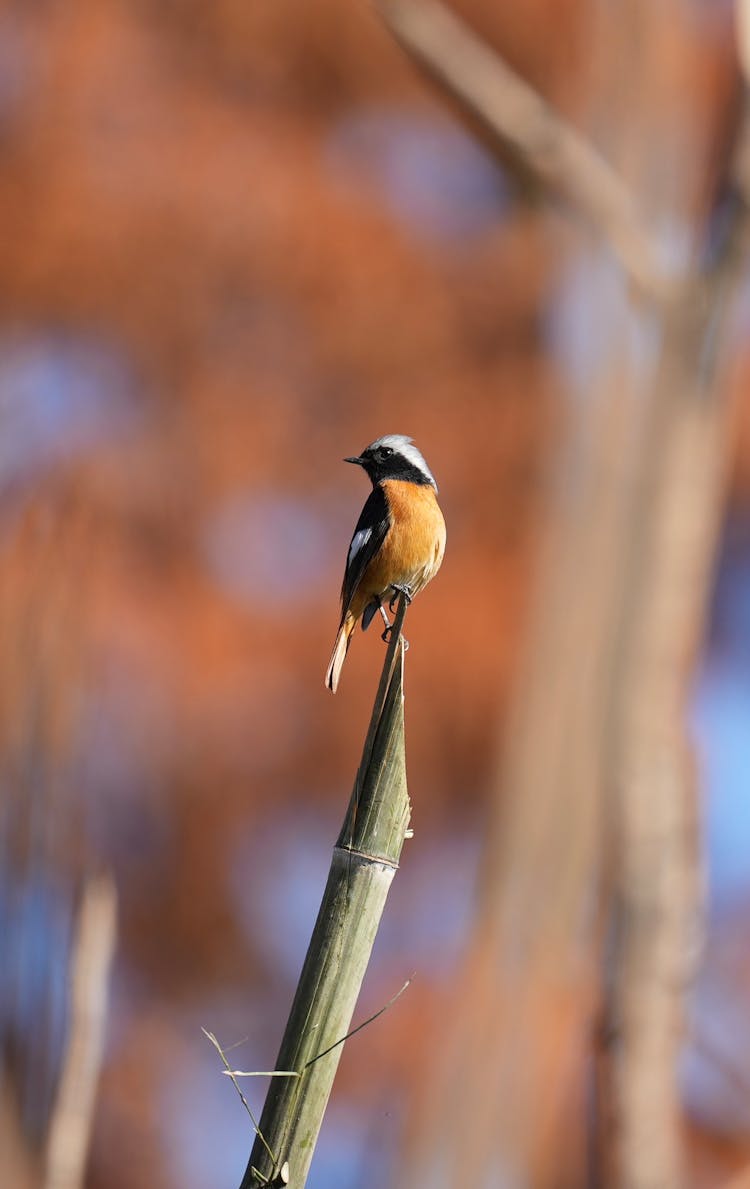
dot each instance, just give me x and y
(340, 649)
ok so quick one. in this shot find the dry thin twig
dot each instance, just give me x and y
(365, 1023)
(233, 1075)
(286, 1073)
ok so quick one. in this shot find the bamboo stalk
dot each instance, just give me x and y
(365, 859)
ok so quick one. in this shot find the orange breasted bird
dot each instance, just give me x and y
(398, 542)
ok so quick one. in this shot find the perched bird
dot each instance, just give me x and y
(398, 543)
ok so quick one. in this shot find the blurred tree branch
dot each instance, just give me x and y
(91, 960)
(541, 149)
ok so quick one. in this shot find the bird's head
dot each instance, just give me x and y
(394, 457)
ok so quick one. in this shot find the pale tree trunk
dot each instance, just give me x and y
(597, 824)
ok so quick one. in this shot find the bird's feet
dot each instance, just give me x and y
(386, 637)
(399, 590)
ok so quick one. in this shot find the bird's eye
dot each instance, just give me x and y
(386, 451)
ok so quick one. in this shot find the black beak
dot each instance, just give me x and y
(360, 462)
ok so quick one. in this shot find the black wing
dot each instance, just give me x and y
(369, 534)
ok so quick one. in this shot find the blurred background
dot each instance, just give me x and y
(239, 241)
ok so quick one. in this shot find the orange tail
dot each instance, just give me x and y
(340, 649)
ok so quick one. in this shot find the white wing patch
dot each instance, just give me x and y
(359, 540)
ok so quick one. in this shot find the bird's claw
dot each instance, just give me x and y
(399, 590)
(386, 637)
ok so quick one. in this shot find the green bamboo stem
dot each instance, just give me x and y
(365, 859)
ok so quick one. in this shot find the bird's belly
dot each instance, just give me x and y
(413, 549)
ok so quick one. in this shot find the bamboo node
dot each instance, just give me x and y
(363, 854)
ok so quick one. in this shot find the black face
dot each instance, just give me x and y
(383, 462)
(381, 457)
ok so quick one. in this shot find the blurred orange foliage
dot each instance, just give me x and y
(238, 242)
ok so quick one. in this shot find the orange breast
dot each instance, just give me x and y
(413, 549)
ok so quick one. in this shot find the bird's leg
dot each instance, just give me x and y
(399, 590)
(386, 635)
(388, 625)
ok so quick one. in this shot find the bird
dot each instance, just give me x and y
(398, 542)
